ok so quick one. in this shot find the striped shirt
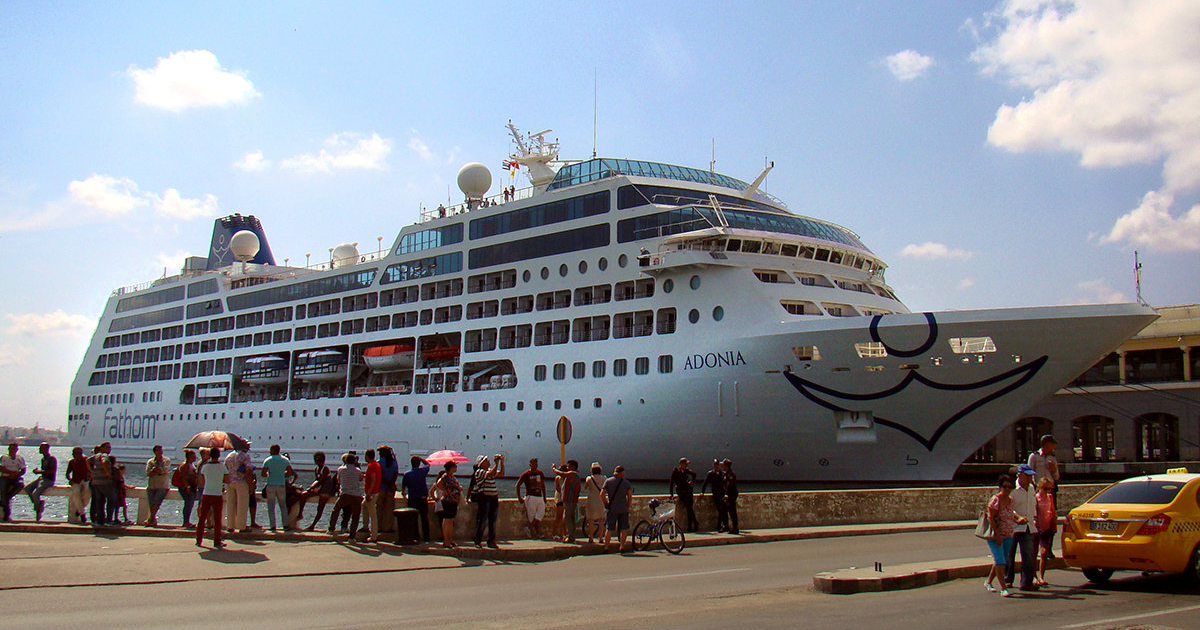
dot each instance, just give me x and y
(485, 484)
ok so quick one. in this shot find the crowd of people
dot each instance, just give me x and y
(1023, 516)
(225, 485)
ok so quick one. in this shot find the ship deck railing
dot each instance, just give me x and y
(442, 211)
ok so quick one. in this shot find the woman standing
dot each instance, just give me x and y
(448, 493)
(187, 481)
(1047, 525)
(595, 505)
(324, 486)
(1002, 517)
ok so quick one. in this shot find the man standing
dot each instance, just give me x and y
(682, 480)
(214, 478)
(158, 484)
(533, 481)
(79, 475)
(187, 482)
(415, 486)
(716, 479)
(571, 485)
(617, 496)
(371, 486)
(1025, 534)
(731, 494)
(350, 494)
(237, 465)
(1044, 463)
(104, 490)
(47, 471)
(12, 468)
(277, 469)
(385, 505)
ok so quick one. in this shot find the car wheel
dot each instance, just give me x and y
(1193, 568)
(1097, 576)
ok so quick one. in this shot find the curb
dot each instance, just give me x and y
(905, 576)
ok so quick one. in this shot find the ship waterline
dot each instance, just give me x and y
(666, 311)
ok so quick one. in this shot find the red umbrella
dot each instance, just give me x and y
(218, 439)
(437, 458)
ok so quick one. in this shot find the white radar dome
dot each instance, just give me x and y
(345, 254)
(244, 245)
(474, 180)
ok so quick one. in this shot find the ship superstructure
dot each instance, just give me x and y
(667, 311)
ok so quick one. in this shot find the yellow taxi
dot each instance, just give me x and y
(1147, 523)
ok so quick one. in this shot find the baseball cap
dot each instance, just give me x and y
(1025, 469)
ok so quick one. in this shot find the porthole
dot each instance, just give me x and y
(622, 260)
(693, 316)
(668, 285)
(562, 270)
(718, 313)
(526, 276)
(602, 264)
(545, 273)
(695, 282)
(583, 266)
(450, 408)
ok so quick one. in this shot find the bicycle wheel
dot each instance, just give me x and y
(643, 535)
(671, 536)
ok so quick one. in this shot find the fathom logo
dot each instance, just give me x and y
(124, 425)
(714, 360)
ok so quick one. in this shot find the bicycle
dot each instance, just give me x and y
(661, 526)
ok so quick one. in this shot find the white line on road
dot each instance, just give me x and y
(694, 573)
(1131, 617)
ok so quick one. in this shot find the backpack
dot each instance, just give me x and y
(178, 478)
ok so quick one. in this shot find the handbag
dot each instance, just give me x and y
(984, 528)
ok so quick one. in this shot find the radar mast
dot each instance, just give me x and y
(535, 154)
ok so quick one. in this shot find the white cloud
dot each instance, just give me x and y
(907, 65)
(421, 149)
(1151, 225)
(171, 263)
(190, 78)
(53, 324)
(934, 251)
(253, 162)
(172, 205)
(1117, 82)
(13, 355)
(109, 195)
(966, 283)
(344, 151)
(1097, 292)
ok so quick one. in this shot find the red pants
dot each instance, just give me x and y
(210, 504)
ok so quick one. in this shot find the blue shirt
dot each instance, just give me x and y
(415, 482)
(276, 466)
(390, 471)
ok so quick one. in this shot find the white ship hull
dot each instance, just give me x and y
(724, 341)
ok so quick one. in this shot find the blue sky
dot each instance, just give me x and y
(995, 154)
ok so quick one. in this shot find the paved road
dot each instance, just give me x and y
(764, 585)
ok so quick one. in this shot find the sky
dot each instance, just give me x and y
(994, 154)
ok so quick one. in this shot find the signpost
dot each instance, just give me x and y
(564, 436)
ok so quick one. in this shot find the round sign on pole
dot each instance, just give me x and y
(564, 431)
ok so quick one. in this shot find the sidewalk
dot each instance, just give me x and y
(35, 558)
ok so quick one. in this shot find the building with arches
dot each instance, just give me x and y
(1136, 410)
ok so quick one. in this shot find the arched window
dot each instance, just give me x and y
(1158, 437)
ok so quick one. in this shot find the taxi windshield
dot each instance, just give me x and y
(1143, 491)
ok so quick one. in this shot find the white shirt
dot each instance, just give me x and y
(1025, 504)
(11, 463)
(214, 477)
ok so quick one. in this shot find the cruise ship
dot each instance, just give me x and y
(665, 311)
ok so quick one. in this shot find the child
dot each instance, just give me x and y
(119, 482)
(1047, 524)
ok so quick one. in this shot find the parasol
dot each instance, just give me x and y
(438, 458)
(218, 439)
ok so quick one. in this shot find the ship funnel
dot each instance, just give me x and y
(221, 251)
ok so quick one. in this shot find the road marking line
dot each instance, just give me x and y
(656, 577)
(1130, 617)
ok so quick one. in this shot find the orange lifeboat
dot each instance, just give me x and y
(389, 357)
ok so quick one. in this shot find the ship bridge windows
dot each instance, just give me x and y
(971, 345)
(839, 310)
(773, 276)
(800, 307)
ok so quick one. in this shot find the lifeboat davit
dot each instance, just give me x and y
(321, 366)
(389, 358)
(265, 370)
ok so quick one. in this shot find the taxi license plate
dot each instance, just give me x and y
(1105, 526)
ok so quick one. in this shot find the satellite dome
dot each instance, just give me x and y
(345, 254)
(474, 180)
(244, 245)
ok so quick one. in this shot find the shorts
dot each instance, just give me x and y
(448, 511)
(535, 507)
(156, 495)
(617, 522)
(1046, 540)
(1000, 550)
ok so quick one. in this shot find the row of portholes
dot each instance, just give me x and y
(420, 409)
(622, 262)
(718, 313)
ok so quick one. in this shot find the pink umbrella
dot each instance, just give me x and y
(438, 458)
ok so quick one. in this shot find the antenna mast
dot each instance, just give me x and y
(595, 105)
(1137, 278)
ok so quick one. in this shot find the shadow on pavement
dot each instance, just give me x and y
(233, 556)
